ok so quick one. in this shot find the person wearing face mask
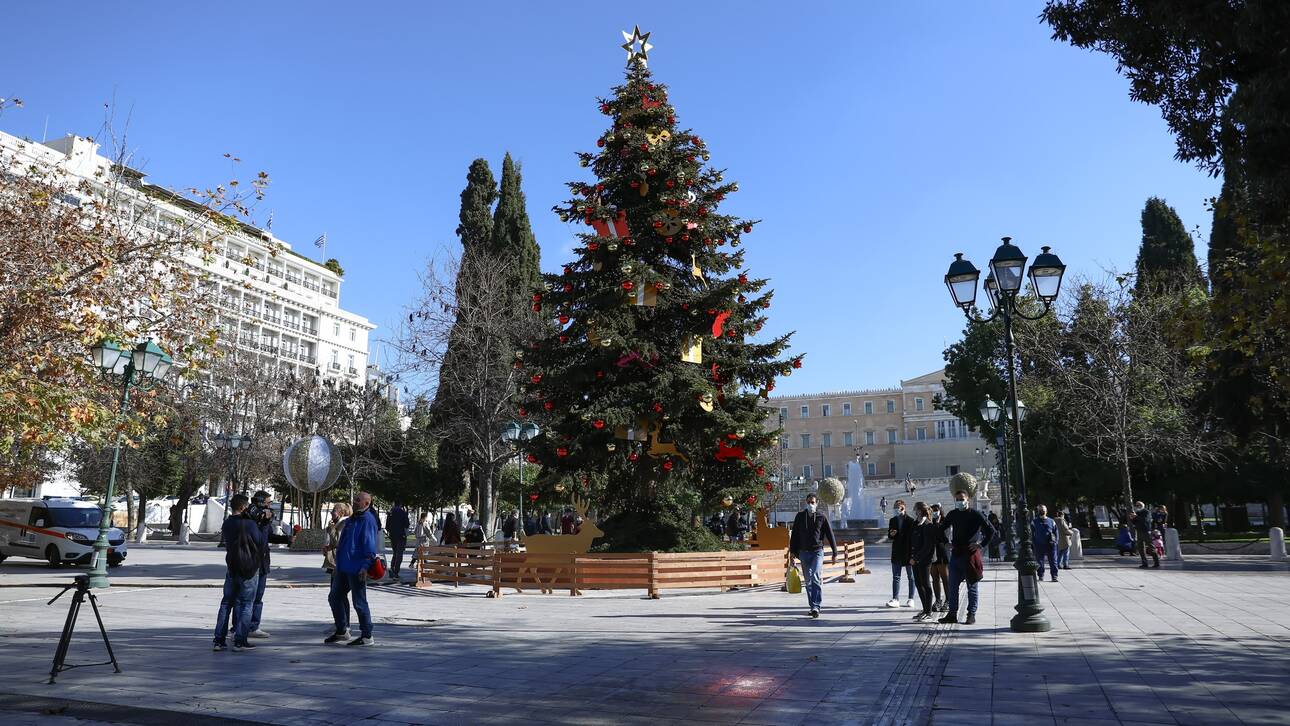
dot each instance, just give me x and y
(969, 532)
(806, 544)
(1043, 537)
(926, 540)
(900, 531)
(940, 568)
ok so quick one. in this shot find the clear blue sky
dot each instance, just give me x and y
(874, 139)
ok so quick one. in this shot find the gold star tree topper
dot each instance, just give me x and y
(637, 45)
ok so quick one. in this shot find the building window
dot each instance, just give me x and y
(891, 436)
(806, 441)
(951, 470)
(805, 412)
(892, 468)
(940, 429)
(352, 334)
(868, 438)
(848, 439)
(953, 427)
(826, 440)
(868, 408)
(891, 406)
(335, 359)
(351, 361)
(920, 433)
(918, 404)
(783, 443)
(824, 410)
(783, 414)
(335, 329)
(828, 470)
(846, 409)
(873, 469)
(806, 471)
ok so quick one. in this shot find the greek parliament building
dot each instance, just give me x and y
(284, 309)
(894, 433)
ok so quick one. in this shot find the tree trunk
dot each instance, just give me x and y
(1126, 478)
(1277, 509)
(485, 491)
(1093, 523)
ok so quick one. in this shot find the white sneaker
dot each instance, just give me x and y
(332, 631)
(909, 603)
(257, 634)
(893, 603)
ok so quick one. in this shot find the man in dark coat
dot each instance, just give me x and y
(806, 544)
(900, 531)
(396, 525)
(970, 531)
(1142, 524)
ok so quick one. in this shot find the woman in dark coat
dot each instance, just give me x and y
(451, 532)
(922, 555)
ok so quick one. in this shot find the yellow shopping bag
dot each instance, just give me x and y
(794, 583)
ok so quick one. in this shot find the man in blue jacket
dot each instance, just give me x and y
(358, 546)
(1043, 537)
(244, 550)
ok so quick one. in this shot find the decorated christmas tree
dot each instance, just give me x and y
(649, 386)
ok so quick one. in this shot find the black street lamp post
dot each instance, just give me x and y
(1007, 269)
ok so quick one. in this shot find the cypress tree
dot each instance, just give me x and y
(513, 243)
(1167, 255)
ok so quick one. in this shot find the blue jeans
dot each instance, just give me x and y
(958, 573)
(1064, 558)
(896, 568)
(343, 585)
(258, 608)
(238, 596)
(1046, 551)
(337, 578)
(811, 561)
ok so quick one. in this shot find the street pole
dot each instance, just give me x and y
(1030, 612)
(98, 572)
(1005, 491)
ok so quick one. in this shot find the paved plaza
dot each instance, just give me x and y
(1197, 643)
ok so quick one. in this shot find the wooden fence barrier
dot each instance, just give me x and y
(648, 571)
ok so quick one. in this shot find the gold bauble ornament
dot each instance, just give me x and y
(606, 342)
(612, 246)
(559, 487)
(611, 446)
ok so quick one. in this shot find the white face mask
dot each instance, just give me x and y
(810, 507)
(960, 504)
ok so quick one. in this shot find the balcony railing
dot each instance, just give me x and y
(307, 358)
(334, 366)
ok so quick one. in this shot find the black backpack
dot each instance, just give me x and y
(243, 553)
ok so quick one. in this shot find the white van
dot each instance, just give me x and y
(59, 531)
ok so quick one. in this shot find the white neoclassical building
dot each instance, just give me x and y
(272, 301)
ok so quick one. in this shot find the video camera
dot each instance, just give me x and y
(260, 511)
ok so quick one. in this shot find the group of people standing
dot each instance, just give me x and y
(939, 552)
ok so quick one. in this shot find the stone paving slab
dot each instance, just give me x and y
(1199, 643)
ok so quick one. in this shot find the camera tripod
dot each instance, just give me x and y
(82, 585)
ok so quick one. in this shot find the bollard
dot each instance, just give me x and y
(1077, 546)
(1173, 547)
(1277, 543)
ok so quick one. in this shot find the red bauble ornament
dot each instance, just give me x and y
(564, 339)
(732, 436)
(644, 147)
(797, 363)
(651, 171)
(523, 412)
(770, 487)
(561, 451)
(697, 141)
(770, 386)
(537, 307)
(564, 319)
(604, 108)
(658, 286)
(670, 183)
(658, 223)
(667, 240)
(743, 279)
(747, 229)
(633, 456)
(536, 378)
(667, 465)
(568, 287)
(685, 237)
(598, 423)
(600, 187)
(537, 297)
(752, 499)
(600, 142)
(703, 211)
(634, 184)
(657, 407)
(593, 246)
(761, 472)
(712, 311)
(628, 284)
(531, 459)
(730, 333)
(548, 405)
(568, 270)
(685, 306)
(533, 497)
(671, 119)
(600, 374)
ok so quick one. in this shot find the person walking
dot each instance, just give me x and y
(1043, 536)
(396, 526)
(244, 545)
(451, 531)
(510, 527)
(261, 512)
(546, 526)
(339, 513)
(995, 555)
(806, 544)
(924, 543)
(882, 504)
(940, 568)
(1064, 538)
(1142, 523)
(969, 532)
(358, 547)
(900, 531)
